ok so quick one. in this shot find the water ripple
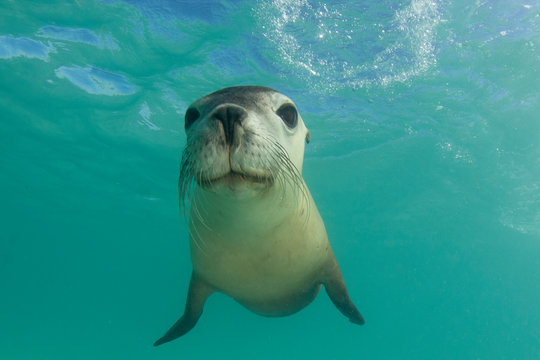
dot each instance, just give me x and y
(80, 35)
(96, 81)
(11, 47)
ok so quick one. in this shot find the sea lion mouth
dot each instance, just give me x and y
(234, 177)
(268, 166)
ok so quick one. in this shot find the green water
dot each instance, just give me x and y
(424, 163)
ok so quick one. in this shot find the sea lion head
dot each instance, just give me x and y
(243, 138)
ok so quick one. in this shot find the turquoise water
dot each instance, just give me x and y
(424, 162)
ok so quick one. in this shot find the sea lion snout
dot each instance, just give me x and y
(230, 116)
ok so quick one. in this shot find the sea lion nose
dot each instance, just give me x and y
(229, 115)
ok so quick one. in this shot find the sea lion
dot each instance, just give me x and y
(255, 232)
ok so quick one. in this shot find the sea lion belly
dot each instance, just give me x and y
(272, 272)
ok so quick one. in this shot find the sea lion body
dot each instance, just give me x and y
(270, 261)
(255, 231)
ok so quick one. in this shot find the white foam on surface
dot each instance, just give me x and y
(330, 46)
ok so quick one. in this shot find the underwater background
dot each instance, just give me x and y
(424, 162)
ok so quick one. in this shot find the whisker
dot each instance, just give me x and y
(273, 159)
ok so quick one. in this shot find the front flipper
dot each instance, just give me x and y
(337, 291)
(197, 294)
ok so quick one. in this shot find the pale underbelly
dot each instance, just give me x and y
(272, 284)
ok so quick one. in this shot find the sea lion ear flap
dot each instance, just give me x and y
(308, 137)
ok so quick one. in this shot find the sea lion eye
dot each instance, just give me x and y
(289, 115)
(191, 116)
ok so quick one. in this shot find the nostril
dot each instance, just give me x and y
(229, 115)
